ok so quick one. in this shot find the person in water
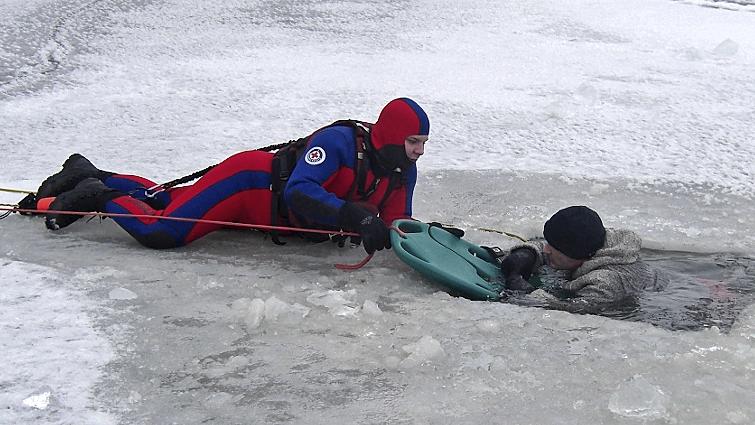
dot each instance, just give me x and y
(354, 176)
(602, 267)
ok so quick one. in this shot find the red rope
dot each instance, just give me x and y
(356, 266)
(200, 220)
(339, 266)
(367, 259)
(183, 219)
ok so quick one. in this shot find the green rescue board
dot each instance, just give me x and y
(462, 267)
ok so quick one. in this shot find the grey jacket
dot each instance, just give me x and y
(614, 275)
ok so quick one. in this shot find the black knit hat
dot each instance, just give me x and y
(576, 231)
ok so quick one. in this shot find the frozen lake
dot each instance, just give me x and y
(642, 111)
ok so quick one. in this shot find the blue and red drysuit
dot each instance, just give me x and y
(239, 188)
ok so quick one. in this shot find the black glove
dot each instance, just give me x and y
(374, 233)
(517, 267)
(452, 230)
(516, 282)
(28, 203)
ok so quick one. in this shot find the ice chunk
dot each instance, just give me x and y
(121, 294)
(555, 110)
(638, 398)
(219, 369)
(392, 362)
(598, 188)
(727, 47)
(489, 326)
(331, 298)
(344, 311)
(134, 397)
(338, 303)
(745, 324)
(239, 307)
(41, 399)
(586, 93)
(101, 273)
(692, 54)
(425, 349)
(483, 361)
(276, 309)
(737, 417)
(253, 312)
(219, 400)
(371, 308)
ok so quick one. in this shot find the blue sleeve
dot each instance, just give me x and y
(328, 151)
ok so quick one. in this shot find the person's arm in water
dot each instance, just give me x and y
(594, 298)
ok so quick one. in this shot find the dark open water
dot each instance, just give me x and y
(704, 290)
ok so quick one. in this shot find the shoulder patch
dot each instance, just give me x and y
(315, 156)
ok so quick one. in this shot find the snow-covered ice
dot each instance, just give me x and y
(51, 349)
(642, 110)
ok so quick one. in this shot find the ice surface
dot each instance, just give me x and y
(239, 347)
(642, 110)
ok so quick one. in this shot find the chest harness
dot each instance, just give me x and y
(287, 156)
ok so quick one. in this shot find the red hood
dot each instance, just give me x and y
(399, 119)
